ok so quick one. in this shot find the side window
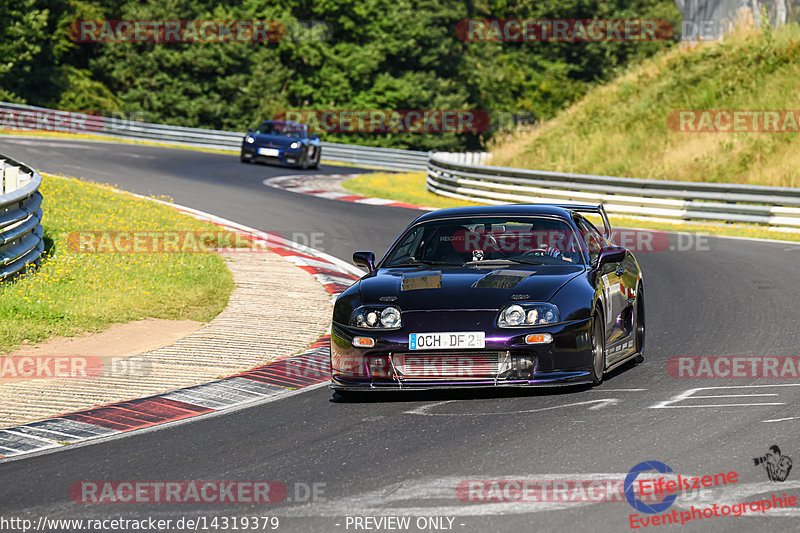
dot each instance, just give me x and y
(592, 238)
(408, 247)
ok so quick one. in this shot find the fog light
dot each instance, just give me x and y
(363, 342)
(539, 338)
(523, 367)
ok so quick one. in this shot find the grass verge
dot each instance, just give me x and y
(630, 127)
(410, 187)
(76, 292)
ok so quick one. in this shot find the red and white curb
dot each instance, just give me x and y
(263, 383)
(305, 185)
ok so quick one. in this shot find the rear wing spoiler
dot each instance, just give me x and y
(595, 210)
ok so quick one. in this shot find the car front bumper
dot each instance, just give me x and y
(284, 157)
(506, 360)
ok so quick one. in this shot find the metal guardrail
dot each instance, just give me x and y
(21, 234)
(462, 175)
(31, 118)
(777, 207)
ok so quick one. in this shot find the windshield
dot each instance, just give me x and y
(284, 129)
(517, 240)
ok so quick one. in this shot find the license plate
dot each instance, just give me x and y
(269, 152)
(446, 341)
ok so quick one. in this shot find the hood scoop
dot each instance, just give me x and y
(502, 279)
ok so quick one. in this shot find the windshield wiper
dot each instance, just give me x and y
(506, 260)
(418, 262)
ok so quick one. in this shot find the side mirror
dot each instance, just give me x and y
(314, 137)
(364, 259)
(612, 254)
(249, 130)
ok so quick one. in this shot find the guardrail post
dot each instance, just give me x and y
(10, 178)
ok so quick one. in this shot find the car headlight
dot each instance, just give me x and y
(528, 314)
(375, 317)
(294, 145)
(249, 139)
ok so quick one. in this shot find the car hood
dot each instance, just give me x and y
(464, 287)
(273, 141)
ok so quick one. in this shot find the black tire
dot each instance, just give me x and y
(243, 160)
(639, 324)
(598, 349)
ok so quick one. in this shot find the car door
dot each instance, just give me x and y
(608, 282)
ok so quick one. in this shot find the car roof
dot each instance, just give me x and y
(497, 210)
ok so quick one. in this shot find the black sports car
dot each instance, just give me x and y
(277, 141)
(484, 296)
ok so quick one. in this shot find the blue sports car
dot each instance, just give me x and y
(278, 141)
(519, 295)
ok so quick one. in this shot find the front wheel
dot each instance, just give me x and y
(598, 350)
(639, 325)
(304, 161)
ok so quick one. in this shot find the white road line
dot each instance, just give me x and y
(304, 261)
(375, 201)
(716, 405)
(734, 395)
(595, 405)
(689, 395)
(783, 419)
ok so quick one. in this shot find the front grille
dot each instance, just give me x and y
(449, 365)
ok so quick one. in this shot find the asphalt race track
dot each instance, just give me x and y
(405, 455)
